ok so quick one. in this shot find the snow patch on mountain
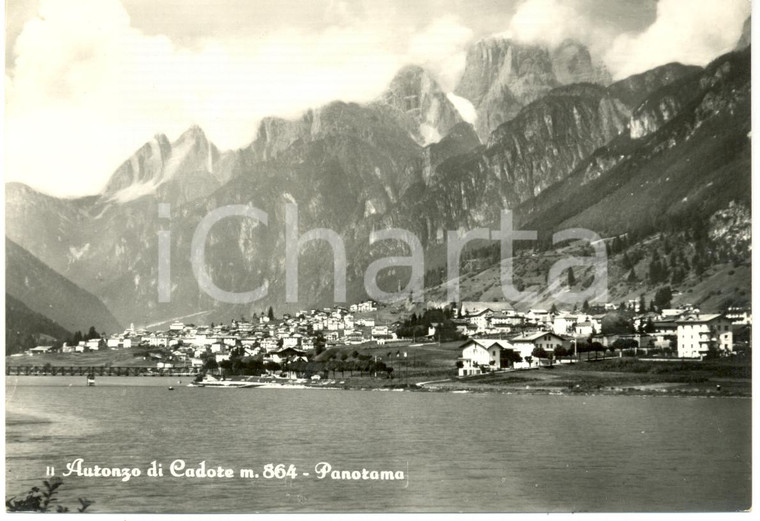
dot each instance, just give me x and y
(429, 134)
(464, 106)
(180, 153)
(76, 253)
(134, 192)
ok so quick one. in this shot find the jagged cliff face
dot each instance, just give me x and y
(694, 158)
(460, 140)
(179, 172)
(572, 63)
(275, 135)
(421, 106)
(707, 89)
(501, 77)
(353, 169)
(547, 141)
(635, 89)
(146, 165)
(733, 226)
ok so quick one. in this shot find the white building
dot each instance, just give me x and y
(698, 334)
(39, 350)
(564, 324)
(292, 341)
(307, 343)
(739, 315)
(538, 316)
(525, 344)
(480, 319)
(585, 328)
(380, 332)
(269, 344)
(481, 355)
(365, 307)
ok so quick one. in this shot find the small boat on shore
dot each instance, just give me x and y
(213, 382)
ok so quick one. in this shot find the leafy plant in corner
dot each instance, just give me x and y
(41, 499)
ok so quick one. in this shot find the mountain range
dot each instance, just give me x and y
(553, 139)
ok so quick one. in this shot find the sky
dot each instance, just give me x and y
(87, 82)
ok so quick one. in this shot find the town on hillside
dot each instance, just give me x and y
(489, 336)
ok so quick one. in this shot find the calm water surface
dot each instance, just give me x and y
(458, 452)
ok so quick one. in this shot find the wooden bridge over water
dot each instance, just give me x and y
(37, 370)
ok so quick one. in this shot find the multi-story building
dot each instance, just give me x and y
(564, 324)
(481, 355)
(480, 319)
(699, 334)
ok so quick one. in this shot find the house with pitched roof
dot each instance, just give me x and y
(483, 355)
(524, 344)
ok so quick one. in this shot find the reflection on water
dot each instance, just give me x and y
(458, 452)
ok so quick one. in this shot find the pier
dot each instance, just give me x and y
(36, 370)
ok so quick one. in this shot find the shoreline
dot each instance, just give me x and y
(451, 386)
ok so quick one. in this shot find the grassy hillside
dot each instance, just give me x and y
(46, 292)
(25, 329)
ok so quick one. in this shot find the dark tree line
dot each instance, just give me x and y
(417, 325)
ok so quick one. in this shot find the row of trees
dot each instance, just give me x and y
(563, 352)
(662, 299)
(417, 326)
(587, 347)
(78, 336)
(342, 363)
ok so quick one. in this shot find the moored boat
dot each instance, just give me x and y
(212, 381)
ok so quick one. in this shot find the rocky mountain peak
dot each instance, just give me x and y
(572, 63)
(193, 134)
(494, 62)
(276, 134)
(746, 38)
(145, 165)
(501, 77)
(158, 161)
(554, 153)
(424, 109)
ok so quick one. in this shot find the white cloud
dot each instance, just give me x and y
(547, 22)
(441, 47)
(550, 22)
(87, 89)
(687, 31)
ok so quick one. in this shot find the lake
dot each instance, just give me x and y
(457, 452)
